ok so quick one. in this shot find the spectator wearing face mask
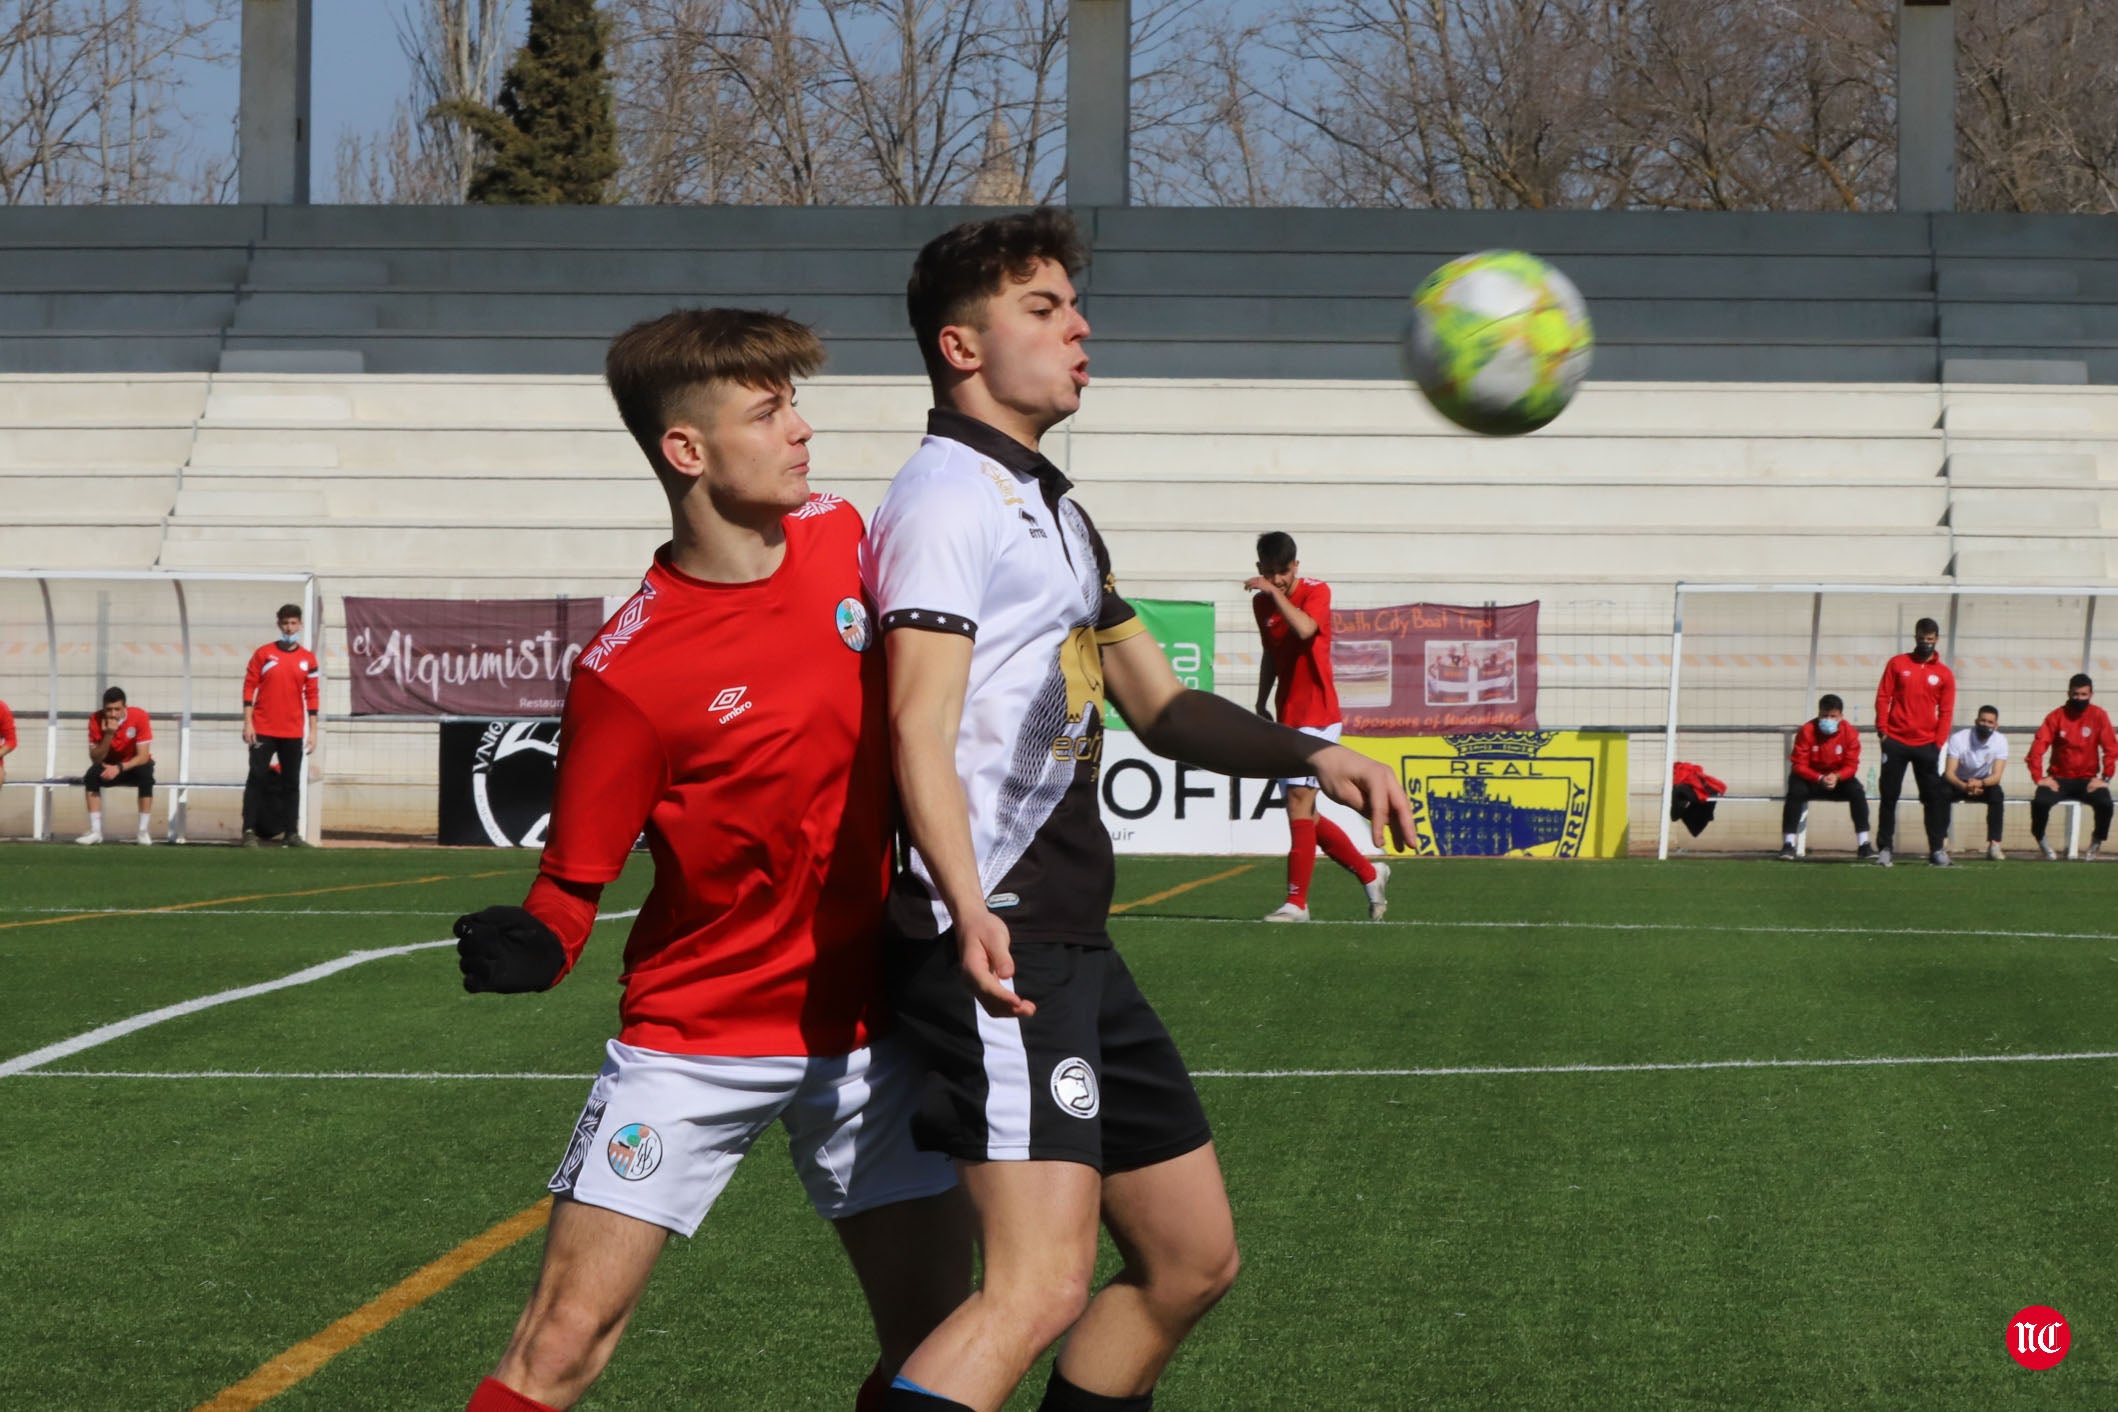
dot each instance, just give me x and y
(279, 726)
(2084, 752)
(1826, 765)
(1914, 703)
(1971, 770)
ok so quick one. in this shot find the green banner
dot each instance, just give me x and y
(1184, 632)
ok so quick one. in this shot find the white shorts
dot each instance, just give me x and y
(1329, 733)
(661, 1133)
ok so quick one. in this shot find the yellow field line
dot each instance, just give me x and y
(247, 897)
(280, 1373)
(1167, 893)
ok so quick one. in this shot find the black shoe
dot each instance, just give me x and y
(1786, 853)
(250, 838)
(1864, 853)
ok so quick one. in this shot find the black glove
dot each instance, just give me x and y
(507, 950)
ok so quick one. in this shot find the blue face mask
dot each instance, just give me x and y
(289, 641)
(1827, 725)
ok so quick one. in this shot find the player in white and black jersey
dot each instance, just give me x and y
(1054, 1084)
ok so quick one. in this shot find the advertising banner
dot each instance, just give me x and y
(496, 782)
(1519, 794)
(1153, 805)
(466, 657)
(1184, 632)
(1435, 668)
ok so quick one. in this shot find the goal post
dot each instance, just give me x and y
(1747, 663)
(177, 641)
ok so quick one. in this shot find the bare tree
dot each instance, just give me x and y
(2037, 107)
(89, 99)
(425, 156)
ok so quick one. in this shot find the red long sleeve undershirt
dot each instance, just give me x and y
(569, 909)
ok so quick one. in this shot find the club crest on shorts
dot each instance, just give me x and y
(635, 1152)
(1074, 1088)
(853, 627)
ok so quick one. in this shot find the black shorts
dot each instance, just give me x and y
(140, 777)
(1092, 1077)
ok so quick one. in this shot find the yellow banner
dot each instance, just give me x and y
(1511, 794)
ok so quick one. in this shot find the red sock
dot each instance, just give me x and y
(496, 1396)
(1301, 860)
(1340, 850)
(870, 1396)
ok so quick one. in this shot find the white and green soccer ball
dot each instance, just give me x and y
(1498, 341)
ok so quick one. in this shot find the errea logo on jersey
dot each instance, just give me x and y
(730, 703)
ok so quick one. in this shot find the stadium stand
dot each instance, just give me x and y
(404, 401)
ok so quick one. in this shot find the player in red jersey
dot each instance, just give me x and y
(2084, 756)
(733, 711)
(7, 739)
(1914, 702)
(120, 755)
(1294, 621)
(279, 698)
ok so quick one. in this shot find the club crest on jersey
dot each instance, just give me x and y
(635, 1152)
(1074, 1089)
(854, 629)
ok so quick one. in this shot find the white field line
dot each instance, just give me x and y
(118, 1029)
(1440, 924)
(1466, 1071)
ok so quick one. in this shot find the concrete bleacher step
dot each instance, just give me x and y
(159, 399)
(2032, 470)
(124, 350)
(105, 311)
(2048, 508)
(299, 313)
(88, 448)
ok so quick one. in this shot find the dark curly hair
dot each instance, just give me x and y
(958, 270)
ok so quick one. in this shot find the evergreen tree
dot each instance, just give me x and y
(553, 138)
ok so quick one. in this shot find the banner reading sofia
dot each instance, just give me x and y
(1435, 669)
(466, 657)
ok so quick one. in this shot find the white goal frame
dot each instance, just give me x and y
(180, 789)
(1817, 593)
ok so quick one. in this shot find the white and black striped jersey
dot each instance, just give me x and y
(977, 535)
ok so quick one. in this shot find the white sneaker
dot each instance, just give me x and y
(145, 838)
(1994, 855)
(2095, 849)
(1939, 858)
(1377, 903)
(92, 836)
(2045, 850)
(1287, 912)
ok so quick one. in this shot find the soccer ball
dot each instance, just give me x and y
(1498, 341)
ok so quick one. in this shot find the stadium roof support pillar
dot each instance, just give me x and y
(272, 117)
(1926, 106)
(1099, 102)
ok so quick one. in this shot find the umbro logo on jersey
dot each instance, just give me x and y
(820, 504)
(631, 618)
(731, 703)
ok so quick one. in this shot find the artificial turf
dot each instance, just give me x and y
(1587, 1233)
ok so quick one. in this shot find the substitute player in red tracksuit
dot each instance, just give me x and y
(2084, 754)
(120, 756)
(1294, 622)
(279, 725)
(1826, 764)
(1914, 703)
(733, 711)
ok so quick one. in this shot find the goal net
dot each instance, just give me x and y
(178, 644)
(1749, 661)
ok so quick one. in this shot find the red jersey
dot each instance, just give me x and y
(280, 684)
(7, 727)
(1817, 754)
(1306, 694)
(2083, 747)
(743, 726)
(136, 730)
(1915, 700)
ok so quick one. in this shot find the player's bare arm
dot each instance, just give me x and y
(929, 672)
(1299, 623)
(1203, 729)
(1268, 677)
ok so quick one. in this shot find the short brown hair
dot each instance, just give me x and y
(960, 269)
(651, 366)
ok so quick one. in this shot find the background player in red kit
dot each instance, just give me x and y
(279, 726)
(120, 756)
(2084, 753)
(1914, 703)
(1294, 620)
(7, 738)
(733, 710)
